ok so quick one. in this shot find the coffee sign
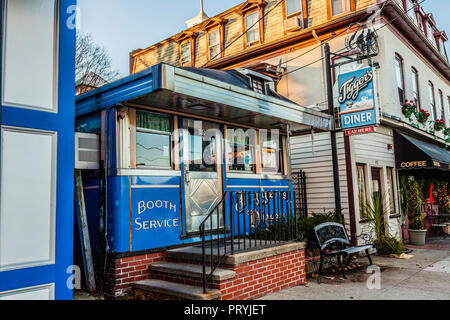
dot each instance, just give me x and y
(357, 98)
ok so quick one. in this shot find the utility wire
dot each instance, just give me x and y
(343, 49)
(249, 28)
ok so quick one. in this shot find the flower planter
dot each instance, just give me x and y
(417, 237)
(447, 228)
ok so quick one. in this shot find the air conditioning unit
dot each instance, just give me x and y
(294, 23)
(87, 150)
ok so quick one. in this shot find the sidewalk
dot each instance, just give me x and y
(426, 276)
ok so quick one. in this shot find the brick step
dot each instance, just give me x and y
(194, 271)
(176, 290)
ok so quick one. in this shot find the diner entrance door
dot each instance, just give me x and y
(202, 155)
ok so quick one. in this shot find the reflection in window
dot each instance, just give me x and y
(153, 136)
(241, 149)
(202, 143)
(270, 151)
(362, 191)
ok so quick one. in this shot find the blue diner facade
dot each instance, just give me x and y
(171, 145)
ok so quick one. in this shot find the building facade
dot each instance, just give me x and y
(285, 40)
(37, 149)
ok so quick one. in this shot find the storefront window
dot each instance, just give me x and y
(390, 185)
(241, 149)
(153, 136)
(271, 153)
(362, 190)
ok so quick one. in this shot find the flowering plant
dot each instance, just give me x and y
(447, 131)
(422, 116)
(408, 108)
(439, 125)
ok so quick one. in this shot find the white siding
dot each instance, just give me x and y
(312, 154)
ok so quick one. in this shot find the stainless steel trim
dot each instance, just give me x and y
(234, 175)
(146, 172)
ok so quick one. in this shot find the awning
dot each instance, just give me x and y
(216, 94)
(412, 153)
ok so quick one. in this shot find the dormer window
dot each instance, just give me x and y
(186, 54)
(252, 26)
(214, 44)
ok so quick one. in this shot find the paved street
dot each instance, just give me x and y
(426, 276)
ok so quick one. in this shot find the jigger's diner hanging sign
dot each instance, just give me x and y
(357, 98)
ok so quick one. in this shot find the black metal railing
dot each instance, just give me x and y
(246, 220)
(299, 186)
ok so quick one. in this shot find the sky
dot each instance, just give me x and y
(122, 26)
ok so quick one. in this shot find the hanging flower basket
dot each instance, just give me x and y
(439, 125)
(408, 108)
(422, 116)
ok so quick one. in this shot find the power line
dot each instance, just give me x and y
(342, 49)
(249, 28)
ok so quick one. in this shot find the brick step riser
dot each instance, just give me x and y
(171, 277)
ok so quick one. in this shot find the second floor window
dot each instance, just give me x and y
(293, 7)
(400, 79)
(415, 87)
(411, 11)
(441, 105)
(252, 28)
(430, 32)
(339, 6)
(432, 101)
(214, 44)
(186, 54)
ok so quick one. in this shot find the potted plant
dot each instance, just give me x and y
(416, 229)
(408, 108)
(439, 125)
(423, 115)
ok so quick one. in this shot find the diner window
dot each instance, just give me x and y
(400, 79)
(362, 187)
(415, 87)
(241, 149)
(214, 43)
(186, 54)
(432, 100)
(391, 191)
(252, 34)
(271, 153)
(339, 6)
(153, 140)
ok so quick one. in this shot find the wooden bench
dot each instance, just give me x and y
(333, 241)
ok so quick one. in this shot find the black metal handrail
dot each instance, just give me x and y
(259, 218)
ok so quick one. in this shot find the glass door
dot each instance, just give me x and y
(202, 153)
